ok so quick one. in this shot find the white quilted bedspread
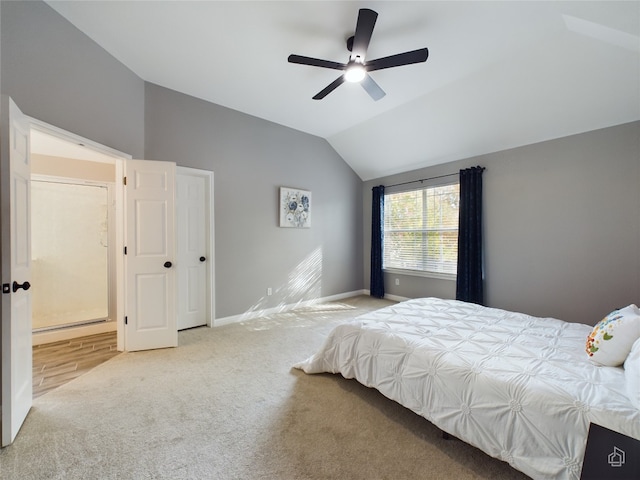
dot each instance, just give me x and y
(518, 387)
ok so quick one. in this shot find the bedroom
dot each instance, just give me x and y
(588, 181)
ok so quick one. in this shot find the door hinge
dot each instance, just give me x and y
(125, 250)
(124, 180)
(126, 321)
(6, 288)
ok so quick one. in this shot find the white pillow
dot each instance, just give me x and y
(632, 374)
(611, 339)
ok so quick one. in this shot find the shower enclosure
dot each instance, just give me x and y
(70, 254)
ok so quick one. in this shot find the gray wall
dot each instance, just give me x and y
(56, 74)
(251, 158)
(562, 226)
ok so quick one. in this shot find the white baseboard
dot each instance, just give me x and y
(72, 332)
(395, 298)
(218, 322)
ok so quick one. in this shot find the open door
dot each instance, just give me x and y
(15, 243)
(150, 316)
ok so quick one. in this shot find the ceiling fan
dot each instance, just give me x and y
(357, 68)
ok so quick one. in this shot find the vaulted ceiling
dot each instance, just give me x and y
(499, 74)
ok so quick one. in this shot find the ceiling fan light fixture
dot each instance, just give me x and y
(356, 70)
(355, 73)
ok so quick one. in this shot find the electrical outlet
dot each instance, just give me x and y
(397, 281)
(269, 291)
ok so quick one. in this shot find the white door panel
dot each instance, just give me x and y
(15, 221)
(193, 253)
(153, 304)
(150, 273)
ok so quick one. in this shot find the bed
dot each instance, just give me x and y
(520, 388)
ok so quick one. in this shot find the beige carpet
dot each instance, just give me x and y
(226, 404)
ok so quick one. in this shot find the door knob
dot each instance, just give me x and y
(167, 264)
(17, 286)
(202, 259)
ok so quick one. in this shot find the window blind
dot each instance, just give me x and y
(421, 229)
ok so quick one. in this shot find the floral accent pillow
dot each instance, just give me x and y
(611, 339)
(632, 374)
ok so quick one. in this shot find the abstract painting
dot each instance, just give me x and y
(295, 208)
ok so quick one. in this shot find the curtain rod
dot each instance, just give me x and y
(430, 178)
(421, 180)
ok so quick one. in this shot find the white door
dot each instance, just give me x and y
(150, 255)
(15, 221)
(193, 256)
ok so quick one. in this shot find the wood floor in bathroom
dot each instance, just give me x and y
(55, 364)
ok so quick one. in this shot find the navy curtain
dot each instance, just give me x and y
(469, 281)
(377, 235)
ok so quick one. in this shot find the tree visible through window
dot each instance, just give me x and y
(421, 229)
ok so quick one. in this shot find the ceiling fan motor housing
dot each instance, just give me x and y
(350, 43)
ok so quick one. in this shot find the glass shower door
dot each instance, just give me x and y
(69, 253)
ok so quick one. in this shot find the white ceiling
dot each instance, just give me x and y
(499, 74)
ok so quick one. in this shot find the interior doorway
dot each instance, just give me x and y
(74, 236)
(93, 163)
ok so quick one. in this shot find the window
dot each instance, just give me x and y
(421, 230)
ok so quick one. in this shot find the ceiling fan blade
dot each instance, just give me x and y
(406, 58)
(364, 30)
(372, 88)
(329, 88)
(316, 62)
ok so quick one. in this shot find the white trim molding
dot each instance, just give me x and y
(394, 298)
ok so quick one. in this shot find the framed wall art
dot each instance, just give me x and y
(295, 208)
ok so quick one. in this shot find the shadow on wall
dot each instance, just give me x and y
(303, 287)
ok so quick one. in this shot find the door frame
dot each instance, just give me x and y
(208, 176)
(119, 158)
